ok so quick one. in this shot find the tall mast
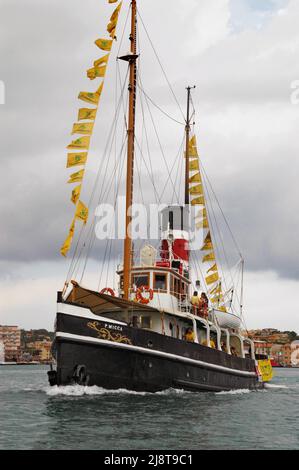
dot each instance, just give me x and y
(130, 156)
(188, 129)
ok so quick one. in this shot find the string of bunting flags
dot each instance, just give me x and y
(79, 146)
(196, 190)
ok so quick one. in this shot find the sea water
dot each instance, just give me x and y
(34, 415)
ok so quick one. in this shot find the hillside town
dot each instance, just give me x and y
(34, 346)
(25, 347)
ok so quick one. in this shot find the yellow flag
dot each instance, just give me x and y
(212, 269)
(81, 212)
(212, 278)
(198, 201)
(208, 238)
(195, 179)
(192, 141)
(76, 194)
(112, 1)
(89, 97)
(115, 14)
(217, 300)
(83, 128)
(87, 113)
(96, 72)
(104, 44)
(101, 61)
(111, 26)
(207, 247)
(194, 165)
(201, 213)
(196, 189)
(74, 159)
(209, 257)
(222, 309)
(81, 143)
(216, 290)
(193, 152)
(68, 242)
(204, 223)
(76, 177)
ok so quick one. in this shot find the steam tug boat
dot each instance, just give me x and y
(148, 335)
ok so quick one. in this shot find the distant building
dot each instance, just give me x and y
(11, 338)
(40, 350)
(295, 353)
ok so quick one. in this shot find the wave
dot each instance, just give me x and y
(79, 391)
(242, 391)
(275, 386)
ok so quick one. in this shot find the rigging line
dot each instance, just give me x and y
(74, 261)
(122, 160)
(222, 243)
(123, 31)
(176, 161)
(211, 210)
(160, 109)
(162, 68)
(178, 180)
(223, 215)
(150, 176)
(160, 145)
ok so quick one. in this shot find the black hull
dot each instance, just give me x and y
(120, 357)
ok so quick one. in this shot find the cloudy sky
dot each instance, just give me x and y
(243, 57)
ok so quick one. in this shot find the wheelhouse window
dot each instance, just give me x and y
(140, 280)
(160, 282)
(146, 322)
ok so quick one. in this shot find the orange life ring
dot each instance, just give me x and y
(108, 291)
(143, 290)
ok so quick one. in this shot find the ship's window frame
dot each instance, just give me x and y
(166, 281)
(146, 317)
(139, 275)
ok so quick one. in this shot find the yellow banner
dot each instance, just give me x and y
(198, 201)
(202, 224)
(68, 242)
(115, 14)
(212, 278)
(83, 128)
(76, 177)
(96, 72)
(193, 152)
(266, 370)
(104, 44)
(74, 159)
(209, 257)
(87, 113)
(76, 194)
(196, 189)
(195, 179)
(81, 143)
(216, 290)
(194, 165)
(101, 61)
(212, 269)
(81, 212)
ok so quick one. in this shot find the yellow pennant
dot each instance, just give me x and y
(104, 44)
(76, 177)
(207, 247)
(81, 212)
(101, 61)
(81, 143)
(115, 14)
(201, 213)
(215, 290)
(74, 159)
(194, 165)
(198, 201)
(112, 1)
(208, 238)
(202, 224)
(222, 309)
(192, 141)
(68, 242)
(91, 97)
(213, 269)
(193, 152)
(209, 257)
(217, 300)
(111, 26)
(212, 278)
(195, 179)
(196, 189)
(76, 194)
(83, 128)
(87, 113)
(96, 72)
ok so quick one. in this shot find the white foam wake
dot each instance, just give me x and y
(79, 390)
(275, 386)
(242, 391)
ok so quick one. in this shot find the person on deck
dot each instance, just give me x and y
(189, 335)
(204, 301)
(195, 301)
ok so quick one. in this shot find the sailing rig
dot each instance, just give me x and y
(149, 333)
